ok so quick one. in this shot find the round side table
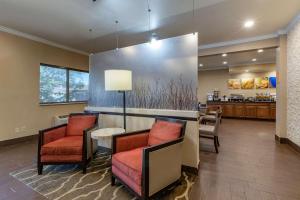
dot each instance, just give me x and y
(104, 136)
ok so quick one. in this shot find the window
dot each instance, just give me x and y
(78, 86)
(62, 85)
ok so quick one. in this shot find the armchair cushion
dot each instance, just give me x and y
(78, 123)
(128, 166)
(71, 145)
(163, 131)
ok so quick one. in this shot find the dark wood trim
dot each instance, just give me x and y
(287, 141)
(293, 145)
(18, 140)
(281, 140)
(62, 103)
(145, 115)
(60, 67)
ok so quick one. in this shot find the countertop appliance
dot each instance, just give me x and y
(236, 97)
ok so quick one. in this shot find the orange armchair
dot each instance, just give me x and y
(67, 143)
(149, 161)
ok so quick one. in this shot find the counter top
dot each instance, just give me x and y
(233, 102)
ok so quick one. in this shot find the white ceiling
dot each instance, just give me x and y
(237, 59)
(67, 22)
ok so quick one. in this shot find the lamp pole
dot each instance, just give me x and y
(124, 109)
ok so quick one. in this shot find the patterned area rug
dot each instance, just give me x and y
(63, 182)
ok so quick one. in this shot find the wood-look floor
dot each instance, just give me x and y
(250, 166)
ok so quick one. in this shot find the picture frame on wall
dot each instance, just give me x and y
(234, 84)
(247, 83)
(272, 82)
(262, 83)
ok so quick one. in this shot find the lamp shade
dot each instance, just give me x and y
(118, 80)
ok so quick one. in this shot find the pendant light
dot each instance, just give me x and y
(117, 35)
(194, 22)
(153, 37)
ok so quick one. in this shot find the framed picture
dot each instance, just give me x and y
(272, 82)
(248, 83)
(261, 82)
(234, 84)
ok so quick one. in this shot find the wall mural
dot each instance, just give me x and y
(164, 75)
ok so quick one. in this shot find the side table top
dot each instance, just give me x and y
(106, 132)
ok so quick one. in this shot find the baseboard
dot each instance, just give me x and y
(18, 140)
(192, 170)
(287, 141)
(281, 140)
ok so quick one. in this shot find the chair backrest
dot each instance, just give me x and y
(78, 122)
(165, 130)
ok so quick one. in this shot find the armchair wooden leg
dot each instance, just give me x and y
(40, 169)
(216, 144)
(84, 166)
(218, 141)
(113, 180)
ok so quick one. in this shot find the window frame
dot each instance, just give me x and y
(68, 69)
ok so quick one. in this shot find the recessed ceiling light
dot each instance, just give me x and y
(260, 50)
(225, 63)
(224, 54)
(249, 24)
(254, 59)
(200, 65)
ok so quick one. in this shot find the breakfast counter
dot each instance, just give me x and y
(247, 110)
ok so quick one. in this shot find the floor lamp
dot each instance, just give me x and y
(121, 81)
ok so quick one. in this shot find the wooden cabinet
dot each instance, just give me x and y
(263, 112)
(259, 110)
(250, 111)
(228, 110)
(239, 111)
(273, 112)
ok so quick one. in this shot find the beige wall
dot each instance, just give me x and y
(209, 81)
(293, 84)
(19, 85)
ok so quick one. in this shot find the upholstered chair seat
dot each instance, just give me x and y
(71, 145)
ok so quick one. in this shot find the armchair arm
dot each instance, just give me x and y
(87, 140)
(161, 166)
(51, 134)
(128, 141)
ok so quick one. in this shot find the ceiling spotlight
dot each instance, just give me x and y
(260, 50)
(200, 65)
(254, 59)
(225, 63)
(249, 24)
(224, 55)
